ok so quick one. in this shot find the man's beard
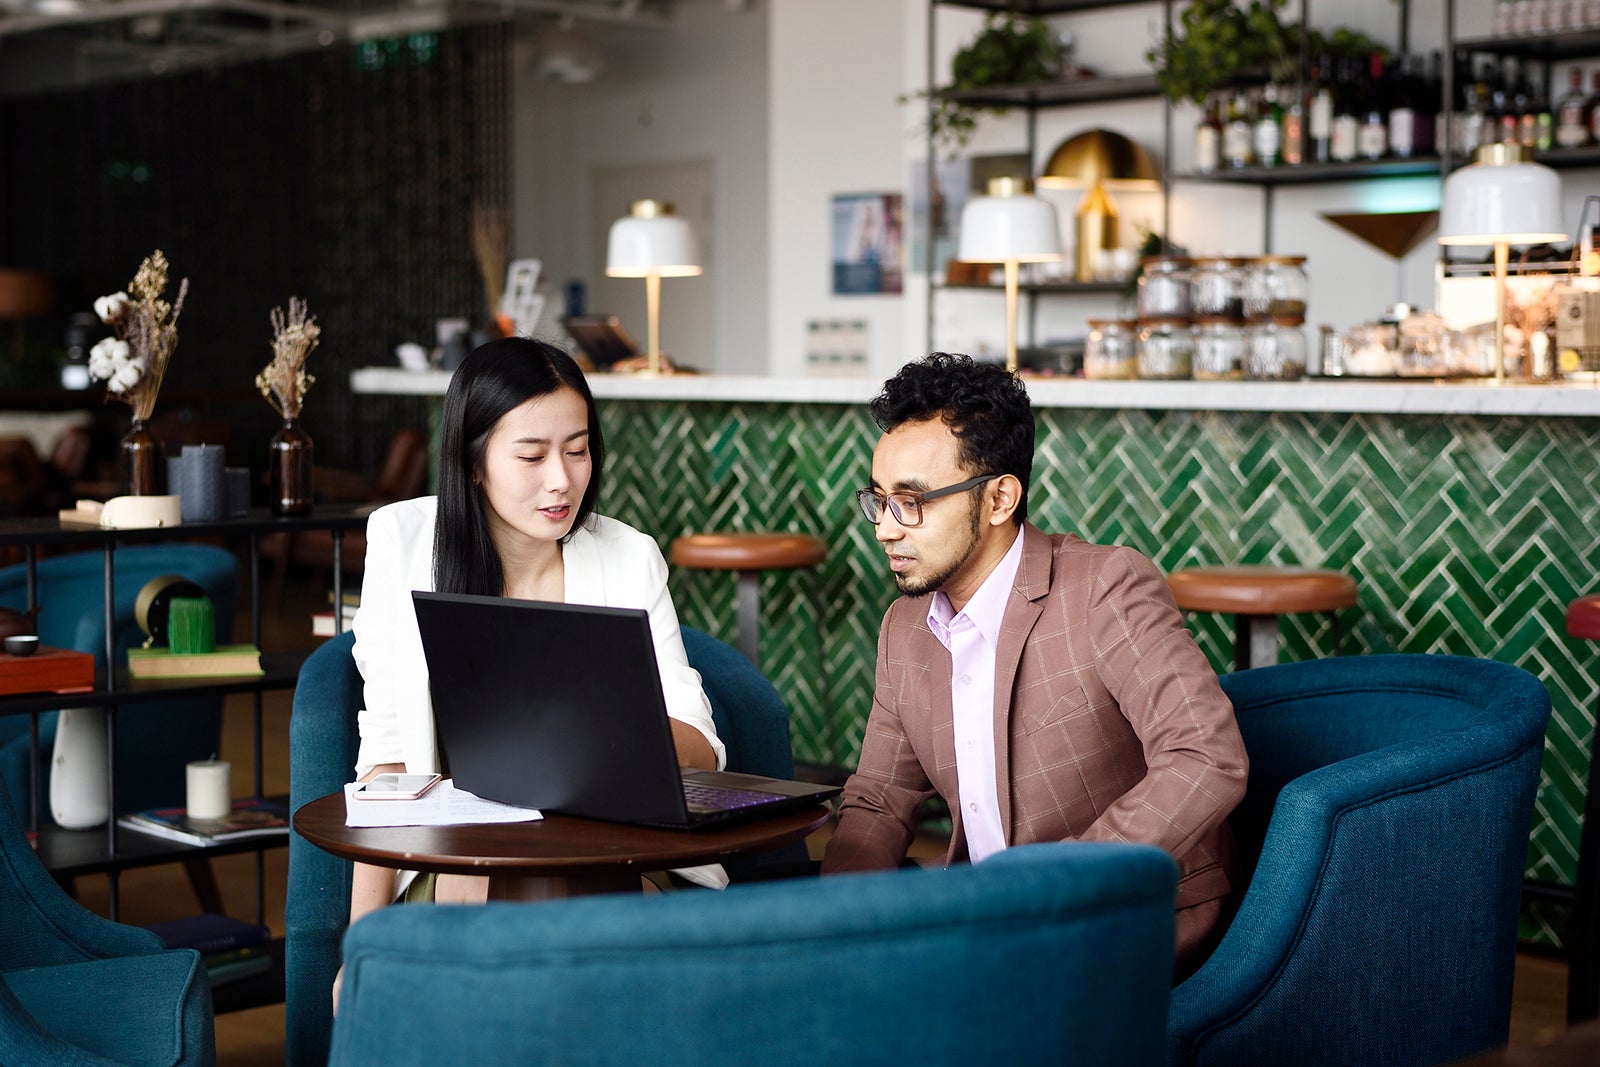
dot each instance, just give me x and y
(922, 587)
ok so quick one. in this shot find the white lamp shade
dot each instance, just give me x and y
(995, 229)
(658, 244)
(1506, 203)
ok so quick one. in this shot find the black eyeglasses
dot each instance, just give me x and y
(906, 507)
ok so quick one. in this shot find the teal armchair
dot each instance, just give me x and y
(82, 991)
(1045, 954)
(1386, 822)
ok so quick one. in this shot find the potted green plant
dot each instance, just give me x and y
(1216, 44)
(1011, 49)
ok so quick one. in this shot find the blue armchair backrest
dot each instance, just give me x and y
(1050, 954)
(156, 739)
(1388, 812)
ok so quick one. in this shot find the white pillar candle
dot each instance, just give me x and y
(208, 789)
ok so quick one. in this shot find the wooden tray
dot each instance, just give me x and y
(57, 670)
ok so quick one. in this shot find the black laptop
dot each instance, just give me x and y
(559, 707)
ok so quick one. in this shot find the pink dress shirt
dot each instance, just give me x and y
(971, 639)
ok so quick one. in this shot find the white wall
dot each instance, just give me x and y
(837, 66)
(695, 91)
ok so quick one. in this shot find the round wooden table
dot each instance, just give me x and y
(557, 856)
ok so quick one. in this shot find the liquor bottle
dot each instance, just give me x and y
(1430, 121)
(1346, 120)
(1372, 140)
(1473, 122)
(1502, 104)
(1294, 127)
(1593, 108)
(1572, 129)
(1405, 107)
(1319, 112)
(1237, 134)
(1268, 131)
(1543, 132)
(1208, 139)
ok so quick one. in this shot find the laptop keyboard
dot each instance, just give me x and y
(722, 798)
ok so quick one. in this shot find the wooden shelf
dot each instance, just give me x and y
(1042, 7)
(1581, 44)
(1096, 90)
(1313, 173)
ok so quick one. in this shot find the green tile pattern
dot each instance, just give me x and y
(1467, 535)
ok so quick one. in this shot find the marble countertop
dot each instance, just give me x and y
(1332, 395)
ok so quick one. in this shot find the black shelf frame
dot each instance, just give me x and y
(1040, 288)
(113, 685)
(1576, 45)
(1318, 173)
(1043, 7)
(1066, 93)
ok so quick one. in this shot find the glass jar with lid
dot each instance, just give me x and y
(1166, 348)
(1111, 349)
(1277, 349)
(1164, 288)
(1219, 348)
(1218, 285)
(1276, 286)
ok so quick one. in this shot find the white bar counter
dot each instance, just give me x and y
(1474, 397)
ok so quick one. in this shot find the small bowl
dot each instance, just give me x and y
(22, 644)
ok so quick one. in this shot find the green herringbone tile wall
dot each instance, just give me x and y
(1467, 535)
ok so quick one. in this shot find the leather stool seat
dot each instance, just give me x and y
(1256, 594)
(1581, 942)
(748, 552)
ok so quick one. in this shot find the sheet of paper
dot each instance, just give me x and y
(443, 805)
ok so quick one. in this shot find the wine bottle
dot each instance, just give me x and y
(1319, 112)
(1237, 134)
(1208, 139)
(1372, 140)
(1404, 109)
(1294, 127)
(1346, 120)
(1268, 132)
(1572, 129)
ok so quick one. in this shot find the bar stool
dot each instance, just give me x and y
(1583, 935)
(749, 555)
(1255, 595)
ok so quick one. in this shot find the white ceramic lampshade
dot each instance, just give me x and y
(651, 240)
(1009, 225)
(1501, 199)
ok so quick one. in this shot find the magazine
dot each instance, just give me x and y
(251, 817)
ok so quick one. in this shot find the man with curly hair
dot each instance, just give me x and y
(1045, 687)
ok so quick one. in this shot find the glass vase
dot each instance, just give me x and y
(140, 457)
(289, 470)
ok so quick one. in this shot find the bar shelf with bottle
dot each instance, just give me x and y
(1063, 93)
(1312, 173)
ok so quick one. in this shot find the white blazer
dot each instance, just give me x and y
(608, 564)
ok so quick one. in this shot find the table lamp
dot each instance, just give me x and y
(1501, 200)
(652, 243)
(1098, 161)
(1012, 227)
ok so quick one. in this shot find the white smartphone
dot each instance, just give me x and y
(392, 786)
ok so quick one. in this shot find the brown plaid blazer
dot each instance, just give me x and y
(1109, 726)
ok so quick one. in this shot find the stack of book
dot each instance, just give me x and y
(231, 948)
(251, 817)
(322, 621)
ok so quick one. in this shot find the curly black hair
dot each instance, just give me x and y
(985, 406)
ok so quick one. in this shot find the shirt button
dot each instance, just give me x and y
(966, 679)
(970, 743)
(973, 808)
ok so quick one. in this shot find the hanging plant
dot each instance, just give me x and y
(1011, 49)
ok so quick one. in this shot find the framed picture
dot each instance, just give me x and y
(866, 243)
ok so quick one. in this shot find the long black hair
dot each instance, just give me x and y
(495, 378)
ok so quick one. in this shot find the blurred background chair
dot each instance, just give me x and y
(751, 719)
(76, 988)
(1386, 825)
(155, 739)
(404, 475)
(1045, 954)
